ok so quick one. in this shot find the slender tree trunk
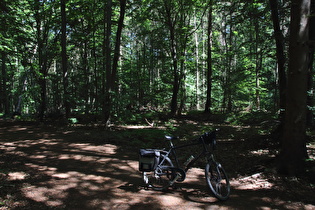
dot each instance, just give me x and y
(4, 93)
(225, 68)
(183, 94)
(231, 64)
(183, 40)
(96, 99)
(64, 59)
(197, 64)
(4, 103)
(293, 151)
(258, 61)
(107, 56)
(43, 93)
(209, 60)
(118, 41)
(310, 97)
(176, 84)
(282, 79)
(2, 86)
(171, 28)
(41, 62)
(87, 80)
(111, 67)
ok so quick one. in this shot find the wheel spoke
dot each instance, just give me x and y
(217, 180)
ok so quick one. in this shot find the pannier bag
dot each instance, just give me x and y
(148, 159)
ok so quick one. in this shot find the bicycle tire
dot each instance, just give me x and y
(159, 178)
(217, 180)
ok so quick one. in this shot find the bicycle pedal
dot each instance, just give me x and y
(178, 175)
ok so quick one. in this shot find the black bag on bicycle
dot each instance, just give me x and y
(148, 159)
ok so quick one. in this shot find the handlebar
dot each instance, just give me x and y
(206, 138)
(209, 138)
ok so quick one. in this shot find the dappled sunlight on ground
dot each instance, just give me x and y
(253, 182)
(138, 127)
(261, 152)
(19, 175)
(311, 151)
(64, 169)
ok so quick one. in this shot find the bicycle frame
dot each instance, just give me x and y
(168, 171)
(172, 152)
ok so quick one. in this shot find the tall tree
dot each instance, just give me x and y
(64, 59)
(3, 82)
(4, 106)
(107, 86)
(118, 42)
(258, 55)
(111, 65)
(310, 97)
(293, 151)
(42, 60)
(228, 45)
(280, 49)
(171, 20)
(209, 59)
(159, 55)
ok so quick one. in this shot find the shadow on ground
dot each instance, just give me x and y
(44, 167)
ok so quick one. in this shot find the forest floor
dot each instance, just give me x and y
(89, 167)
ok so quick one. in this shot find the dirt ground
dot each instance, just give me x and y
(56, 167)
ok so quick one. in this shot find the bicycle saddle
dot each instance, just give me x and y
(171, 137)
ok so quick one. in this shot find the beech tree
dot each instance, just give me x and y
(293, 153)
(107, 62)
(280, 53)
(64, 59)
(209, 60)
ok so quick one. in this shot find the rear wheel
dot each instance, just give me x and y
(217, 180)
(159, 179)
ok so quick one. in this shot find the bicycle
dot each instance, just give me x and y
(159, 172)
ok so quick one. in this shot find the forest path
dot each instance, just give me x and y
(55, 168)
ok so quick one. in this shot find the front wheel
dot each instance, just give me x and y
(217, 180)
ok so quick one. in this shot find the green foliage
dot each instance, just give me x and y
(242, 54)
(73, 120)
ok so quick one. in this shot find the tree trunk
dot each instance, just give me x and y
(171, 27)
(118, 41)
(4, 93)
(95, 90)
(293, 151)
(107, 103)
(4, 101)
(174, 105)
(310, 97)
(41, 62)
(282, 79)
(64, 59)
(258, 61)
(231, 64)
(197, 64)
(209, 60)
(183, 94)
(87, 79)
